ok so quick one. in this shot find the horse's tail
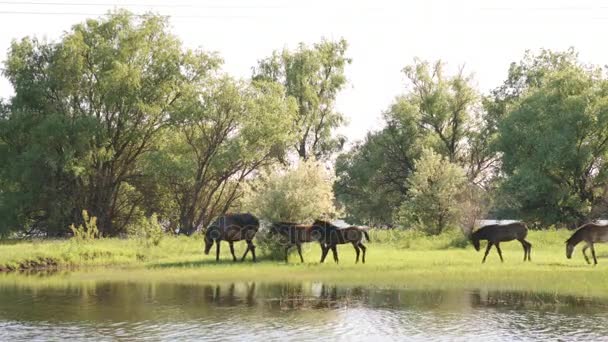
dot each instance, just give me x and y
(366, 236)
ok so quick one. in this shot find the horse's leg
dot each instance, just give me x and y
(593, 254)
(231, 244)
(217, 250)
(252, 249)
(529, 250)
(487, 251)
(525, 246)
(299, 247)
(287, 252)
(363, 248)
(334, 250)
(356, 251)
(585, 254)
(499, 251)
(246, 250)
(324, 250)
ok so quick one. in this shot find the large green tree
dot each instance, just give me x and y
(223, 135)
(440, 112)
(85, 111)
(554, 141)
(313, 76)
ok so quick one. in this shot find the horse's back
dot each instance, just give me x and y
(294, 232)
(593, 232)
(503, 232)
(235, 227)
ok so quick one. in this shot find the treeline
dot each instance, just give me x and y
(534, 148)
(119, 119)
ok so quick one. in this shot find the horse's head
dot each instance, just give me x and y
(569, 249)
(475, 242)
(209, 239)
(320, 230)
(322, 224)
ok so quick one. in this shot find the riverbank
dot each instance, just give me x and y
(405, 261)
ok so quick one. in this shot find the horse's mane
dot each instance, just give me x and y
(576, 235)
(324, 223)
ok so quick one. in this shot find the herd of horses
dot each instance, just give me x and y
(244, 226)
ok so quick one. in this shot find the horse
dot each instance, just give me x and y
(294, 234)
(231, 228)
(331, 236)
(496, 233)
(590, 233)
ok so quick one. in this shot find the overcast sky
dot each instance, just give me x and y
(384, 36)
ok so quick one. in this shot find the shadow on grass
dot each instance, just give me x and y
(212, 262)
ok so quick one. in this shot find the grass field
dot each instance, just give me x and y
(394, 259)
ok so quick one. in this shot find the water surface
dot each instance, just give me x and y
(252, 311)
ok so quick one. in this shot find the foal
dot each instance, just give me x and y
(293, 234)
(330, 235)
(589, 233)
(495, 234)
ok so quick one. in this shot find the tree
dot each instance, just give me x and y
(227, 132)
(554, 144)
(369, 177)
(300, 194)
(431, 205)
(313, 76)
(529, 73)
(439, 112)
(85, 111)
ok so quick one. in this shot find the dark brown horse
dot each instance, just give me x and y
(231, 228)
(497, 233)
(589, 233)
(293, 234)
(330, 236)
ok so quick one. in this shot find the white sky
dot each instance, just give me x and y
(384, 36)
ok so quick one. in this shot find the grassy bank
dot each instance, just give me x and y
(395, 259)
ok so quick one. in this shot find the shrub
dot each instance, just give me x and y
(86, 231)
(432, 202)
(300, 194)
(147, 230)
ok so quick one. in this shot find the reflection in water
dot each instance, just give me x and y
(305, 311)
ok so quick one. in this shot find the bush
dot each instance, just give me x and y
(432, 204)
(86, 231)
(148, 231)
(300, 194)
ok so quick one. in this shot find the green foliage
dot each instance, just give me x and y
(369, 177)
(85, 111)
(439, 112)
(312, 76)
(147, 231)
(223, 135)
(553, 143)
(299, 194)
(86, 231)
(431, 205)
(418, 240)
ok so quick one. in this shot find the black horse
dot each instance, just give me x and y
(330, 236)
(590, 233)
(231, 228)
(293, 234)
(496, 233)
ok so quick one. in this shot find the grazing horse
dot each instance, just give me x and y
(293, 234)
(330, 236)
(231, 228)
(590, 233)
(496, 233)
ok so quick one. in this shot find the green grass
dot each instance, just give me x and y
(394, 259)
